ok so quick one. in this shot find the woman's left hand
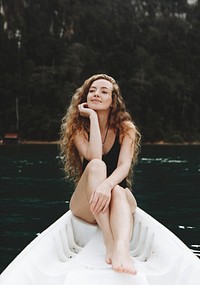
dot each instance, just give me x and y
(85, 111)
(100, 199)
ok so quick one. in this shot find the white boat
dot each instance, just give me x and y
(71, 252)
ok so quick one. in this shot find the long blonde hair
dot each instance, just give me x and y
(73, 123)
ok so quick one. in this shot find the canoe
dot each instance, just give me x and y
(72, 252)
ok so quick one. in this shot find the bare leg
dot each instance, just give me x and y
(80, 206)
(103, 221)
(116, 223)
(94, 174)
(122, 208)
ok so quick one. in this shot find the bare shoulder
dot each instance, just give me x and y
(129, 128)
(128, 132)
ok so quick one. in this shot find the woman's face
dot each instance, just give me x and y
(100, 95)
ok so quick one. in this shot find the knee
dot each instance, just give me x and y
(96, 165)
(119, 193)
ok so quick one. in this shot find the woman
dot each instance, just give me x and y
(99, 144)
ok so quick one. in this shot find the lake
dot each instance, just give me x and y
(34, 193)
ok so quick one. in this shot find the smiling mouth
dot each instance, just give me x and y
(94, 100)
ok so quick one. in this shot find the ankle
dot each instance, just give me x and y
(108, 240)
(122, 245)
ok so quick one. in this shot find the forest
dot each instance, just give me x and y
(151, 47)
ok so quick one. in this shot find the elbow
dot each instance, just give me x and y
(127, 173)
(96, 155)
(93, 152)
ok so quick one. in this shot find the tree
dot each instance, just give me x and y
(47, 49)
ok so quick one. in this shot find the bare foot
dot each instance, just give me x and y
(122, 260)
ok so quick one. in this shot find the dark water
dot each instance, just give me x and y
(33, 193)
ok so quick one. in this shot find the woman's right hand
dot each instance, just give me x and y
(85, 111)
(100, 199)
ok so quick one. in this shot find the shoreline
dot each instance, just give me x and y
(38, 142)
(171, 143)
(145, 143)
(159, 143)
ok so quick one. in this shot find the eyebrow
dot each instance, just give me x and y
(103, 87)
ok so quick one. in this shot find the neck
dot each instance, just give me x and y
(103, 120)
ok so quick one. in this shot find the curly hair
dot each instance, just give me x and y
(73, 123)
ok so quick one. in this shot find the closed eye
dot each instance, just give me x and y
(92, 90)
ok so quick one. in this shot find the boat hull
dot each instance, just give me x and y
(72, 251)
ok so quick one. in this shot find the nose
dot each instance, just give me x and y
(96, 94)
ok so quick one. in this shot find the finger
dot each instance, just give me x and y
(80, 109)
(94, 197)
(99, 206)
(105, 207)
(91, 198)
(85, 105)
(93, 202)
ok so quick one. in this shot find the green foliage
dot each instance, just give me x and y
(152, 48)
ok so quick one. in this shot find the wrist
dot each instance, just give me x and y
(108, 185)
(93, 114)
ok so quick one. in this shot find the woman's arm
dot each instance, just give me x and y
(92, 148)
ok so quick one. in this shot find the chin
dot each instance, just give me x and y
(94, 107)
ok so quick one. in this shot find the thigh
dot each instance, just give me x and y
(79, 203)
(94, 173)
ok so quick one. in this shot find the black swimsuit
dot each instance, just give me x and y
(111, 160)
